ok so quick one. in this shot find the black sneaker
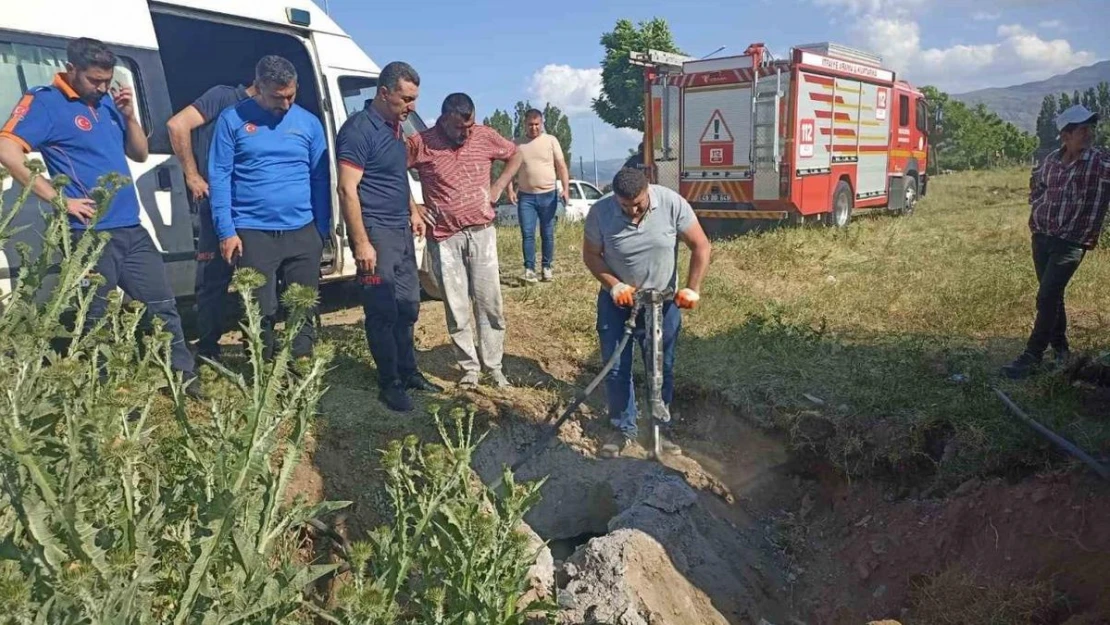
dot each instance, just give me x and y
(420, 383)
(1062, 357)
(1022, 367)
(395, 398)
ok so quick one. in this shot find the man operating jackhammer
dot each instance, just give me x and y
(631, 247)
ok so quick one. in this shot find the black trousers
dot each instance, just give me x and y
(212, 280)
(1055, 261)
(391, 301)
(296, 254)
(132, 262)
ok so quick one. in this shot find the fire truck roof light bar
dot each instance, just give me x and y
(839, 51)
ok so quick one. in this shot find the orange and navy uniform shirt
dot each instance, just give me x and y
(81, 140)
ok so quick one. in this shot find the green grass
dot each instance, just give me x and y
(875, 321)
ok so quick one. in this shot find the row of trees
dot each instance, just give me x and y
(1096, 99)
(974, 137)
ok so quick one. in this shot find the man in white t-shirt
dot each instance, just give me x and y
(538, 200)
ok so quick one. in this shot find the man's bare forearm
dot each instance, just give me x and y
(510, 170)
(137, 148)
(564, 175)
(13, 159)
(352, 216)
(699, 266)
(182, 143)
(596, 264)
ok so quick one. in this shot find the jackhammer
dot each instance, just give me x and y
(650, 302)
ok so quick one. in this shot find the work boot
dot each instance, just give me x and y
(395, 398)
(1022, 367)
(548, 274)
(420, 383)
(530, 276)
(469, 380)
(499, 379)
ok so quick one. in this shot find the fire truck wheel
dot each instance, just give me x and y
(841, 212)
(911, 196)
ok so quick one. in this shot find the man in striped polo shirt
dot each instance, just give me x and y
(454, 159)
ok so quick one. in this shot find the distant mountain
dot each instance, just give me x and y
(606, 169)
(1020, 104)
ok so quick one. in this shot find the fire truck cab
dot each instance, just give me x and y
(822, 136)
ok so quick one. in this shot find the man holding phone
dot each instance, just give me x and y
(84, 134)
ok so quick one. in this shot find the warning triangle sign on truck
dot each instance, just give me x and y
(716, 131)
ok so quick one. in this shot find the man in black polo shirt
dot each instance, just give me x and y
(381, 221)
(191, 135)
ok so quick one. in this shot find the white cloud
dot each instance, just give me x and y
(571, 89)
(871, 7)
(986, 16)
(1018, 55)
(1053, 24)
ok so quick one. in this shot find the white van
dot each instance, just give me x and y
(172, 51)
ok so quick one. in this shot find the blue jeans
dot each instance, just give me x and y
(530, 208)
(619, 389)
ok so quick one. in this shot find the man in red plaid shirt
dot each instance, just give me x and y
(1068, 193)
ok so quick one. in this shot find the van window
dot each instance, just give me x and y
(358, 91)
(23, 67)
(903, 110)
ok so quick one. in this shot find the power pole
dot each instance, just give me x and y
(593, 141)
(581, 168)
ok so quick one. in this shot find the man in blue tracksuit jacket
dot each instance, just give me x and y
(269, 190)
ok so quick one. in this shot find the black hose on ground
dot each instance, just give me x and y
(1060, 441)
(582, 395)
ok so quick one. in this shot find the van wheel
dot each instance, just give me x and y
(910, 201)
(841, 212)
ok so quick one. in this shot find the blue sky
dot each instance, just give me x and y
(500, 53)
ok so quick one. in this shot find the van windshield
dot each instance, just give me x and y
(357, 92)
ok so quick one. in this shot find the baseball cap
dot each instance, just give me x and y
(1077, 114)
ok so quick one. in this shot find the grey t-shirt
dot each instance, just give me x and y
(644, 255)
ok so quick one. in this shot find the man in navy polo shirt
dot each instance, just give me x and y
(381, 219)
(191, 135)
(269, 187)
(84, 134)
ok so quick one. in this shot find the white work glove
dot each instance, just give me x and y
(687, 298)
(623, 294)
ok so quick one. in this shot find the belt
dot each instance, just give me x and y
(476, 228)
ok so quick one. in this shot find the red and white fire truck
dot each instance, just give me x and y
(821, 136)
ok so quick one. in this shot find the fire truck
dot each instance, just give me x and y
(820, 137)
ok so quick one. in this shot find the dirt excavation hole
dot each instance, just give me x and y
(736, 531)
(634, 543)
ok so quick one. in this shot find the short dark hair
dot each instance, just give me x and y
(533, 113)
(84, 53)
(275, 70)
(458, 104)
(629, 183)
(393, 73)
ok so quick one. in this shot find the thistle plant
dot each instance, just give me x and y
(454, 552)
(112, 513)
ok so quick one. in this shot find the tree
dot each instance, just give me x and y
(621, 102)
(1065, 102)
(503, 124)
(556, 124)
(975, 137)
(1046, 123)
